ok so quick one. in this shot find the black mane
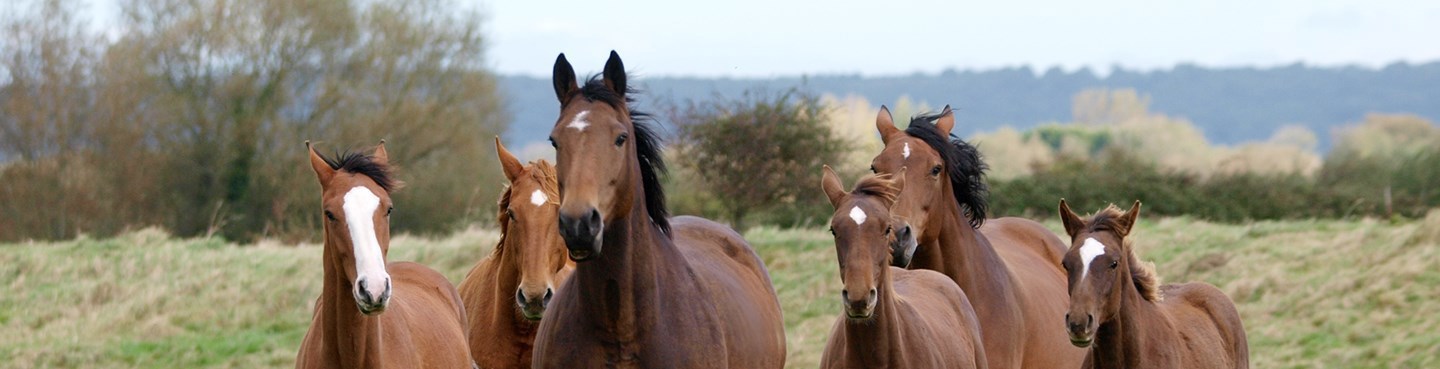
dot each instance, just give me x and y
(647, 146)
(363, 164)
(962, 161)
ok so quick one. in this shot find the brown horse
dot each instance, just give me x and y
(663, 293)
(506, 293)
(359, 322)
(1117, 304)
(1010, 267)
(894, 318)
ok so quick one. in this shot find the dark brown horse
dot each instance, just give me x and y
(1118, 306)
(648, 291)
(357, 322)
(894, 318)
(506, 293)
(1010, 267)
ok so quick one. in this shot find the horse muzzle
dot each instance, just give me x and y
(532, 306)
(371, 299)
(582, 234)
(859, 308)
(903, 247)
(1081, 329)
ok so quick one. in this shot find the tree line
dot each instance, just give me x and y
(192, 115)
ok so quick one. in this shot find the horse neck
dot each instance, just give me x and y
(507, 271)
(627, 274)
(963, 253)
(874, 343)
(1122, 341)
(351, 339)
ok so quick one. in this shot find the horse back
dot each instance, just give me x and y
(734, 278)
(1208, 322)
(1032, 254)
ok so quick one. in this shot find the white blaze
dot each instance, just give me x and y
(1088, 251)
(360, 205)
(538, 198)
(579, 123)
(858, 215)
(906, 152)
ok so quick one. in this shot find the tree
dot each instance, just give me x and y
(193, 118)
(759, 152)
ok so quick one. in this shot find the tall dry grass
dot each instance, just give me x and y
(1312, 293)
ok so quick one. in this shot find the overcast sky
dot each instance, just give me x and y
(760, 38)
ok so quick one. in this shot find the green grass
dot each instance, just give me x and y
(1313, 294)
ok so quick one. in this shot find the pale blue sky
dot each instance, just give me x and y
(759, 38)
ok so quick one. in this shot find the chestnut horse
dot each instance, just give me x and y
(1009, 267)
(894, 318)
(648, 291)
(1117, 304)
(372, 314)
(506, 293)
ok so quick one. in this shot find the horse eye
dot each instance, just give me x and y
(552, 143)
(329, 215)
(389, 210)
(1114, 264)
(621, 140)
(887, 229)
(935, 171)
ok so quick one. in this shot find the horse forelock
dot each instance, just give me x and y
(1147, 281)
(356, 162)
(881, 186)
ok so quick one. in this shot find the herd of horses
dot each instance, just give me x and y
(591, 271)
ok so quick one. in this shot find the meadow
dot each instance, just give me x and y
(1313, 293)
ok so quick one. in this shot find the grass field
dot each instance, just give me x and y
(1313, 294)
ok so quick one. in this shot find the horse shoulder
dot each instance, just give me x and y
(733, 277)
(428, 311)
(941, 316)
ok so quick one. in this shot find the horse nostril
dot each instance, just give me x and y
(548, 294)
(1090, 319)
(594, 218)
(845, 294)
(520, 297)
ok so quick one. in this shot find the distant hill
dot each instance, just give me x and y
(1231, 105)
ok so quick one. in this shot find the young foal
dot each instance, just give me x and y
(894, 318)
(505, 294)
(1009, 267)
(372, 314)
(1115, 304)
(648, 291)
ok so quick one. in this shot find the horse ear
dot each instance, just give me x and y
(615, 73)
(1073, 223)
(897, 184)
(564, 79)
(833, 189)
(508, 162)
(1128, 219)
(885, 123)
(946, 121)
(381, 156)
(323, 171)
